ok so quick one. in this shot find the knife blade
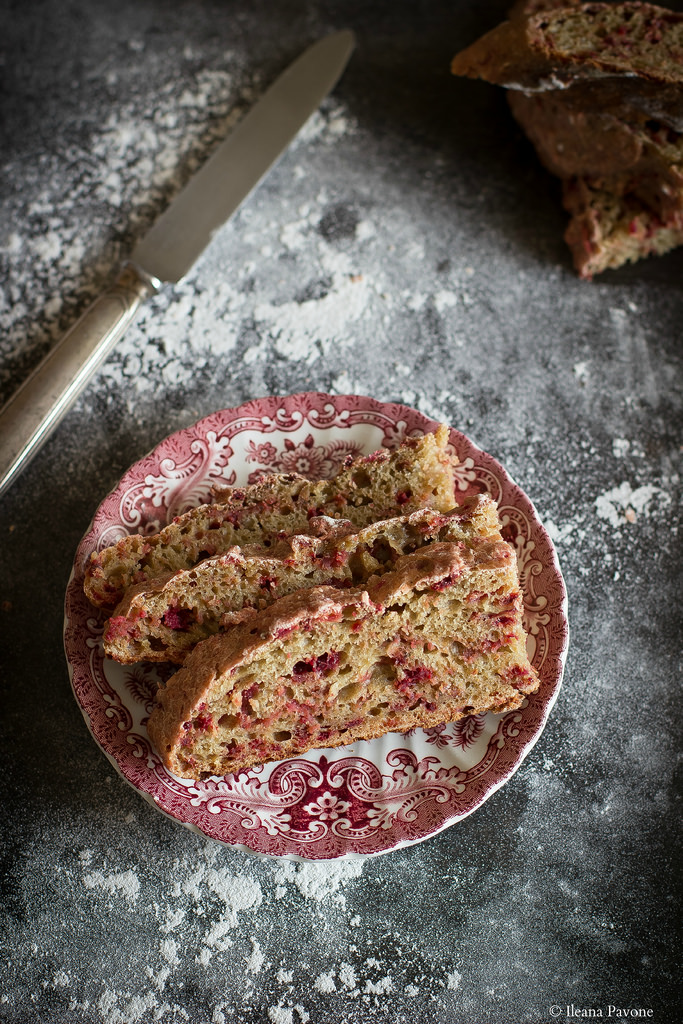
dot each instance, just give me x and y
(170, 248)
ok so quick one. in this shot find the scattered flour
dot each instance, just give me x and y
(125, 883)
(453, 979)
(624, 504)
(559, 534)
(169, 951)
(435, 410)
(326, 129)
(173, 920)
(380, 987)
(324, 983)
(344, 384)
(347, 976)
(256, 959)
(297, 329)
(238, 893)
(285, 1015)
(581, 371)
(443, 300)
(301, 330)
(318, 880)
(117, 1009)
(137, 159)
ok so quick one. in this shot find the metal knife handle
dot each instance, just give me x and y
(33, 412)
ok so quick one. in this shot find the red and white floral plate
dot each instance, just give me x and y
(354, 801)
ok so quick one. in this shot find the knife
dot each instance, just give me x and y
(169, 250)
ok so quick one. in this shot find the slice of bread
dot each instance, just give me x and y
(638, 158)
(418, 474)
(608, 230)
(555, 48)
(437, 638)
(163, 619)
(598, 89)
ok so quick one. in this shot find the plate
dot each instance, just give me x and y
(363, 799)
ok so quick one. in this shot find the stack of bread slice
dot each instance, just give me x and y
(598, 89)
(310, 614)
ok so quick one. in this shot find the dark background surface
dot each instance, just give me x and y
(563, 889)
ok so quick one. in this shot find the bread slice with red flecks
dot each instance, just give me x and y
(556, 48)
(598, 89)
(438, 638)
(418, 474)
(607, 230)
(163, 619)
(637, 157)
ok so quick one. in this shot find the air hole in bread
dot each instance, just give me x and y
(349, 692)
(358, 566)
(282, 735)
(385, 671)
(382, 550)
(362, 478)
(228, 721)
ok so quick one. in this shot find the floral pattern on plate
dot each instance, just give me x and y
(355, 801)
